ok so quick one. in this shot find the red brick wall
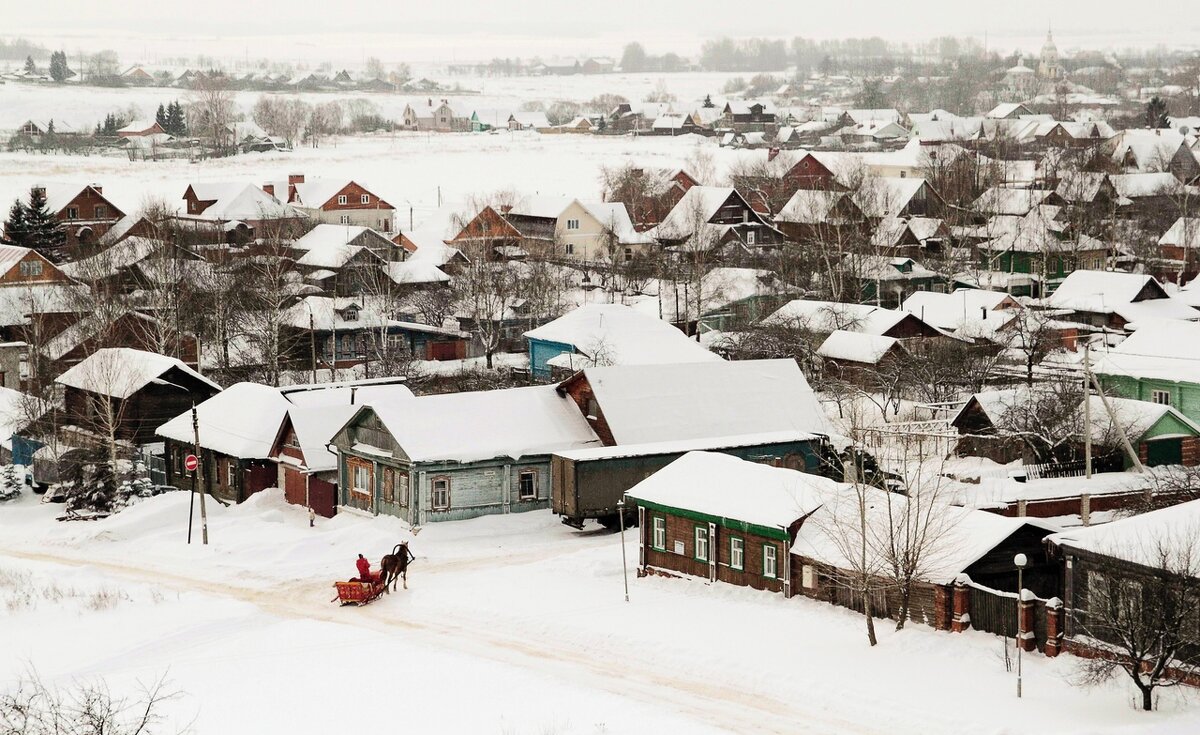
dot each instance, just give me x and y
(580, 392)
(353, 193)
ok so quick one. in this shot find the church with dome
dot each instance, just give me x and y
(1049, 67)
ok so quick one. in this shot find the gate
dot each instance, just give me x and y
(994, 611)
(156, 467)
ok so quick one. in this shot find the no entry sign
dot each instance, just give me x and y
(190, 463)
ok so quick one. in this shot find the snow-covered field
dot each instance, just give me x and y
(511, 624)
(406, 169)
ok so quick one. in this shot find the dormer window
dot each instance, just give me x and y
(350, 315)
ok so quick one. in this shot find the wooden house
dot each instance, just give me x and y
(1157, 363)
(749, 116)
(826, 317)
(455, 456)
(858, 358)
(719, 220)
(142, 390)
(238, 429)
(21, 267)
(1112, 300)
(1179, 252)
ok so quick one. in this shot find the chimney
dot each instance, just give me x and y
(293, 179)
(99, 189)
(269, 189)
(39, 190)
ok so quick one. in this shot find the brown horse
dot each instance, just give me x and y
(395, 566)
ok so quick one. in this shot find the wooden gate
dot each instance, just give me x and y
(994, 611)
(323, 496)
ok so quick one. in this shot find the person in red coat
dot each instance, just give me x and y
(364, 569)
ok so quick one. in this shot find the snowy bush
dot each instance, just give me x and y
(92, 484)
(10, 483)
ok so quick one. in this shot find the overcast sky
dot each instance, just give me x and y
(470, 29)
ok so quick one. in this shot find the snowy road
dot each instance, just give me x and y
(511, 624)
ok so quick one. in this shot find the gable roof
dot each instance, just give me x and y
(962, 309)
(1184, 232)
(729, 488)
(868, 349)
(241, 421)
(482, 425)
(1166, 349)
(829, 316)
(1136, 538)
(1105, 292)
(119, 372)
(615, 334)
(653, 403)
(233, 201)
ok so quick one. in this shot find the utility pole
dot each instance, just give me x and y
(199, 478)
(1112, 416)
(312, 341)
(1087, 411)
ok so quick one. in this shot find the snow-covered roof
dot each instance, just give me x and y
(137, 126)
(886, 196)
(415, 271)
(846, 346)
(17, 411)
(17, 303)
(963, 536)
(962, 308)
(315, 427)
(1131, 417)
(530, 119)
(811, 206)
(828, 316)
(1143, 538)
(1184, 232)
(241, 421)
(1004, 200)
(886, 268)
(652, 403)
(615, 334)
(10, 255)
(120, 372)
(542, 206)
(1133, 186)
(325, 236)
(1105, 292)
(699, 203)
(482, 425)
(331, 255)
(235, 201)
(724, 486)
(702, 444)
(1166, 349)
(112, 260)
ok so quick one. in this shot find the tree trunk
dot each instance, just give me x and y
(1147, 697)
(488, 355)
(905, 596)
(870, 619)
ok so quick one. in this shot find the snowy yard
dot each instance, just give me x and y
(511, 624)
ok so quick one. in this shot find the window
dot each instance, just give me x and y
(572, 224)
(769, 566)
(350, 315)
(700, 551)
(31, 268)
(658, 539)
(903, 174)
(364, 199)
(101, 211)
(362, 479)
(527, 485)
(570, 248)
(737, 553)
(439, 494)
(628, 254)
(344, 219)
(231, 471)
(1161, 397)
(72, 212)
(751, 236)
(402, 488)
(341, 198)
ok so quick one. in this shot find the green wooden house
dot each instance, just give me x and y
(1159, 362)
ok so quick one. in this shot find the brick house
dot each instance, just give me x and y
(334, 202)
(86, 214)
(21, 267)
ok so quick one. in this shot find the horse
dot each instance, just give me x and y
(395, 566)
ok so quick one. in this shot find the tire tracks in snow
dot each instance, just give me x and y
(721, 703)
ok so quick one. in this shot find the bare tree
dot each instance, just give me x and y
(88, 708)
(211, 110)
(1141, 618)
(285, 117)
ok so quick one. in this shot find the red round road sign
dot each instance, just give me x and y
(190, 463)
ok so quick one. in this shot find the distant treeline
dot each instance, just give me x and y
(18, 49)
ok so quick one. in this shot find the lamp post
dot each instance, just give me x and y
(1020, 561)
(624, 567)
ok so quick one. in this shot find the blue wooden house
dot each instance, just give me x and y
(456, 456)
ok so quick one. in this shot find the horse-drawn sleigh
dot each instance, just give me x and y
(370, 585)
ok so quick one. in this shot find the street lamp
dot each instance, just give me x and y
(1020, 561)
(624, 567)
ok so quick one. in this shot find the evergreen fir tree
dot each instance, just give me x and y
(176, 123)
(708, 103)
(110, 124)
(30, 67)
(16, 227)
(58, 66)
(1157, 114)
(160, 117)
(50, 127)
(45, 232)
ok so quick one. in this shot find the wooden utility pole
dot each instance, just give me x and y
(1087, 411)
(1112, 416)
(199, 479)
(312, 339)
